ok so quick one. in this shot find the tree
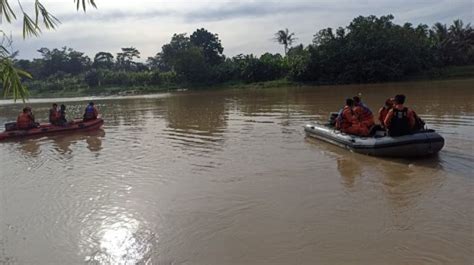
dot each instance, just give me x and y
(103, 60)
(461, 42)
(285, 38)
(191, 66)
(10, 76)
(65, 60)
(125, 58)
(170, 51)
(453, 45)
(210, 44)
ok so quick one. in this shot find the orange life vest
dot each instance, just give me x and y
(24, 121)
(383, 114)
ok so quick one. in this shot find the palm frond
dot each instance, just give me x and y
(6, 11)
(10, 78)
(30, 28)
(50, 21)
(84, 3)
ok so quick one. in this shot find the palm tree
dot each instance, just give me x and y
(462, 41)
(285, 38)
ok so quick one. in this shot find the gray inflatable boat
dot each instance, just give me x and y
(418, 144)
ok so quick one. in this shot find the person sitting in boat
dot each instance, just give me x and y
(62, 121)
(383, 111)
(400, 120)
(91, 112)
(363, 113)
(26, 120)
(347, 121)
(54, 114)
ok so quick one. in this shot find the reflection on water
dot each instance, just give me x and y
(349, 170)
(226, 177)
(62, 143)
(30, 147)
(117, 239)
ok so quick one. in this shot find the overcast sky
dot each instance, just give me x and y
(243, 26)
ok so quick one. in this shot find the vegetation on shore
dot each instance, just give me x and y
(448, 73)
(370, 49)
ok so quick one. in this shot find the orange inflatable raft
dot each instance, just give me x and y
(47, 128)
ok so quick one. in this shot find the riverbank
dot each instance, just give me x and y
(435, 74)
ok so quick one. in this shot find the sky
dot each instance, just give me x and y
(244, 26)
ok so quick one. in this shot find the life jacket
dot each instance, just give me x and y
(89, 113)
(399, 124)
(363, 112)
(53, 115)
(24, 121)
(342, 122)
(383, 112)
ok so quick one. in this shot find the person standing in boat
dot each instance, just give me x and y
(91, 112)
(383, 111)
(26, 120)
(347, 121)
(400, 120)
(363, 113)
(54, 114)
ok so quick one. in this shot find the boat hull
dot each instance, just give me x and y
(419, 144)
(47, 129)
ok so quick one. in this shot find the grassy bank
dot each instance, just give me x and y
(454, 72)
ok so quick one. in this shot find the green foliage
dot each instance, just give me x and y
(65, 59)
(11, 80)
(126, 57)
(10, 77)
(453, 45)
(299, 63)
(373, 49)
(92, 78)
(210, 45)
(369, 49)
(191, 66)
(191, 58)
(103, 60)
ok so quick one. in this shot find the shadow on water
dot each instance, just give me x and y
(445, 160)
(433, 161)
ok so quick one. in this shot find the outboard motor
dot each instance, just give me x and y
(10, 126)
(332, 118)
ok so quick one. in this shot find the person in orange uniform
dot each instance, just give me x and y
(347, 121)
(383, 111)
(400, 120)
(91, 112)
(54, 114)
(363, 113)
(26, 120)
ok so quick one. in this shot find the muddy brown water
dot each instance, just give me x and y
(227, 177)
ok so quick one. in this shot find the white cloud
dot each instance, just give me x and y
(243, 26)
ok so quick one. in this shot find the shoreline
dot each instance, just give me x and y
(451, 73)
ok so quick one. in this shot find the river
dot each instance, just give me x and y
(227, 177)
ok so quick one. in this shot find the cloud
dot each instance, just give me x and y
(244, 26)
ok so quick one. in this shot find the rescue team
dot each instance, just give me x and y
(57, 116)
(357, 119)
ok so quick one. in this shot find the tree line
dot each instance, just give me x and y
(369, 49)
